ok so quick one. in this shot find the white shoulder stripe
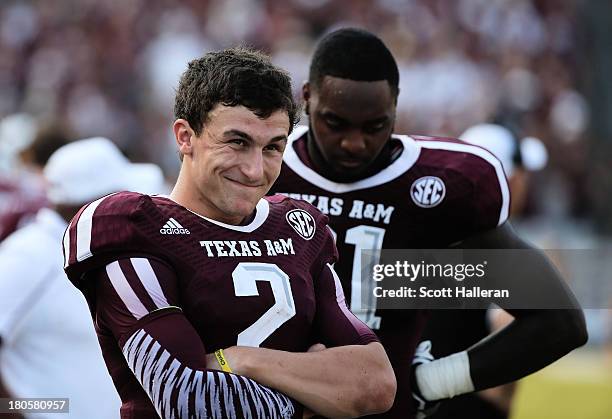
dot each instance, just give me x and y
(486, 155)
(149, 280)
(66, 242)
(83, 227)
(125, 291)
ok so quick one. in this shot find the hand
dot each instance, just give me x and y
(422, 355)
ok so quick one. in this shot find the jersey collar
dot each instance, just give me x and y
(405, 161)
(262, 209)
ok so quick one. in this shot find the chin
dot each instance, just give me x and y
(242, 207)
(351, 171)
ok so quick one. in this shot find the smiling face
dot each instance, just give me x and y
(232, 164)
(350, 121)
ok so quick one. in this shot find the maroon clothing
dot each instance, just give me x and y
(20, 200)
(169, 286)
(436, 192)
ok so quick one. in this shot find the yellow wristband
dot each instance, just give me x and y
(222, 361)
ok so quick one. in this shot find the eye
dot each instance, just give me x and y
(374, 128)
(238, 141)
(333, 123)
(274, 147)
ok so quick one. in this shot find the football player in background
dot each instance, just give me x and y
(349, 164)
(215, 268)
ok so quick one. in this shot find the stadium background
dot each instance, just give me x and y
(109, 67)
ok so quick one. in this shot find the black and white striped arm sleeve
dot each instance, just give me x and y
(137, 303)
(178, 391)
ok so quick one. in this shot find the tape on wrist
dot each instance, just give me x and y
(222, 361)
(445, 377)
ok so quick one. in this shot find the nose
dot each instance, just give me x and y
(253, 167)
(353, 143)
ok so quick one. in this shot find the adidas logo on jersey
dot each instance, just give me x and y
(173, 227)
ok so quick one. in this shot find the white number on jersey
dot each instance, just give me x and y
(245, 278)
(364, 237)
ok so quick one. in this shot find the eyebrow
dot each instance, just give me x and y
(247, 137)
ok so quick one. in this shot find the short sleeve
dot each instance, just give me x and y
(128, 290)
(105, 230)
(490, 200)
(334, 323)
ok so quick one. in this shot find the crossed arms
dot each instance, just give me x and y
(168, 357)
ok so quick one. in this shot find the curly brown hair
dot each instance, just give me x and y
(233, 77)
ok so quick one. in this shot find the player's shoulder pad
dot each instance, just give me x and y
(297, 211)
(467, 160)
(114, 226)
(473, 164)
(289, 204)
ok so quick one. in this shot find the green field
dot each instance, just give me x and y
(576, 387)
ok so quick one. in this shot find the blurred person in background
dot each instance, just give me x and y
(349, 164)
(48, 347)
(25, 146)
(519, 156)
(452, 330)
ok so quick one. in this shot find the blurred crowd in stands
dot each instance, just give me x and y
(109, 68)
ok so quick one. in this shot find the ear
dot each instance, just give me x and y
(306, 96)
(184, 135)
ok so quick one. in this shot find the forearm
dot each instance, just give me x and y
(531, 342)
(536, 337)
(544, 336)
(346, 381)
(182, 392)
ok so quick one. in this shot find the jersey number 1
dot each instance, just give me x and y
(364, 237)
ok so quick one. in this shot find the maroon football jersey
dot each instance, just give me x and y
(436, 192)
(269, 283)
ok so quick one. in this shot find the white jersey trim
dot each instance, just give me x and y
(83, 230)
(405, 161)
(262, 210)
(149, 280)
(341, 300)
(489, 158)
(66, 243)
(124, 290)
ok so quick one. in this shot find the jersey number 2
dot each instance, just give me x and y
(245, 278)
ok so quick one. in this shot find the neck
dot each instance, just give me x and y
(326, 170)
